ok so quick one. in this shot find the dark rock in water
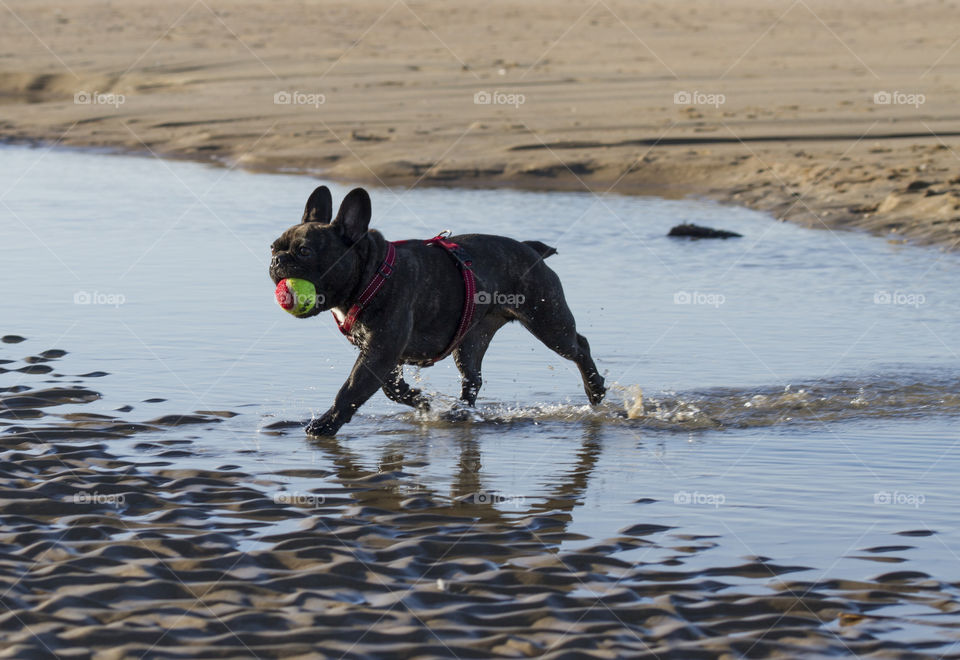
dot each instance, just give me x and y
(696, 231)
(918, 185)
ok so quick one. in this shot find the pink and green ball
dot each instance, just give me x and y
(296, 296)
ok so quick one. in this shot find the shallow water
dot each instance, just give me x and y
(799, 388)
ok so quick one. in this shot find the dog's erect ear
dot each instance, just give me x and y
(353, 218)
(319, 207)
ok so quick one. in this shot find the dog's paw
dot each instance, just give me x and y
(325, 425)
(461, 412)
(422, 404)
(596, 389)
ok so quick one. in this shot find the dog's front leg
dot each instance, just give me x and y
(369, 374)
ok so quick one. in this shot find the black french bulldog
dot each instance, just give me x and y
(416, 314)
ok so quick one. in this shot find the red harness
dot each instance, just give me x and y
(386, 270)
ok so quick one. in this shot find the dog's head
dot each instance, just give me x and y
(323, 251)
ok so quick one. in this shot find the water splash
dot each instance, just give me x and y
(822, 401)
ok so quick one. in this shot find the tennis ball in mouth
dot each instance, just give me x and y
(296, 296)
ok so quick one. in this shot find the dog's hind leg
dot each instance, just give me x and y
(469, 356)
(397, 389)
(551, 321)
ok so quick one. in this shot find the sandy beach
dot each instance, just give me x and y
(830, 115)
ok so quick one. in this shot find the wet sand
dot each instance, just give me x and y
(112, 546)
(830, 115)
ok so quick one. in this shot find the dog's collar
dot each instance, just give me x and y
(379, 279)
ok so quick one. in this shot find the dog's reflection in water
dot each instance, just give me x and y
(466, 493)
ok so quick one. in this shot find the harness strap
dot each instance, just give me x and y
(383, 273)
(469, 289)
(386, 270)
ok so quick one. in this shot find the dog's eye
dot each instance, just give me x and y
(304, 251)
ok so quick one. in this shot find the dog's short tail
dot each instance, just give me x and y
(540, 248)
